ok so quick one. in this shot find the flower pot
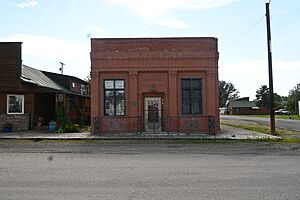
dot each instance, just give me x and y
(7, 129)
(52, 128)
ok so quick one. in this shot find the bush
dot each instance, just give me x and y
(66, 125)
(69, 128)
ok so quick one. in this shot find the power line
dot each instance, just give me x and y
(244, 33)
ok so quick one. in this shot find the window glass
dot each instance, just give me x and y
(120, 107)
(109, 94)
(196, 83)
(109, 84)
(196, 93)
(186, 108)
(186, 93)
(196, 106)
(109, 106)
(119, 84)
(191, 96)
(15, 104)
(114, 97)
(186, 83)
(83, 89)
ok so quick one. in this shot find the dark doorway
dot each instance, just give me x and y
(44, 106)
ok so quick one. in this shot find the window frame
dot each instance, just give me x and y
(114, 90)
(7, 104)
(191, 100)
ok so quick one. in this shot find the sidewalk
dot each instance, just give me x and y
(227, 132)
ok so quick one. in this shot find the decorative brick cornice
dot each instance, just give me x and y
(152, 69)
(134, 59)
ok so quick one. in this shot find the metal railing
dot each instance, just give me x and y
(191, 124)
(181, 124)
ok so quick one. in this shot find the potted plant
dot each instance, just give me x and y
(52, 126)
(39, 120)
(7, 127)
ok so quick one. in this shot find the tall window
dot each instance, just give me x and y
(191, 96)
(15, 104)
(114, 97)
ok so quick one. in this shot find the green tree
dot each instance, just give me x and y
(227, 91)
(293, 98)
(262, 96)
(279, 101)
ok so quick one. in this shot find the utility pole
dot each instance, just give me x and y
(272, 116)
(62, 67)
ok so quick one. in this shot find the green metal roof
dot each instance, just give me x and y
(35, 76)
(241, 104)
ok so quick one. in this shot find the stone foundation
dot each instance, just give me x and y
(20, 122)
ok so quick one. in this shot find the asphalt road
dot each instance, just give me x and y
(292, 125)
(231, 170)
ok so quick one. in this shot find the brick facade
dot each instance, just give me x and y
(153, 69)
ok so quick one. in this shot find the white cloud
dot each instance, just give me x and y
(155, 8)
(157, 11)
(249, 75)
(26, 4)
(50, 51)
(172, 23)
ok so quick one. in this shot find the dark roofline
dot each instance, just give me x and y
(61, 88)
(240, 99)
(11, 42)
(154, 38)
(63, 75)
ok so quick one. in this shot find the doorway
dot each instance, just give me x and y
(153, 114)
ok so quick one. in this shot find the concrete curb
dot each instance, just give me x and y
(227, 133)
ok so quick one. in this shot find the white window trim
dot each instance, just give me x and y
(7, 104)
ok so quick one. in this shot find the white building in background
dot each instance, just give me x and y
(299, 108)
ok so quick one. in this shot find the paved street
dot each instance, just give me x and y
(142, 170)
(292, 125)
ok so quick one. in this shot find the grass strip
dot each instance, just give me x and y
(293, 117)
(257, 128)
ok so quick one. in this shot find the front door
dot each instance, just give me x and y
(152, 114)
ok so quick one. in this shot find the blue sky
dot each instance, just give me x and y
(54, 31)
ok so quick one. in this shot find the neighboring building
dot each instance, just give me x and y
(223, 111)
(27, 93)
(299, 108)
(243, 106)
(154, 85)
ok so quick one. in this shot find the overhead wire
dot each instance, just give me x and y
(244, 33)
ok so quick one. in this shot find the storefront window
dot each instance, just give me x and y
(191, 96)
(114, 97)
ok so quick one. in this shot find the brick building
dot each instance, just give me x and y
(154, 85)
